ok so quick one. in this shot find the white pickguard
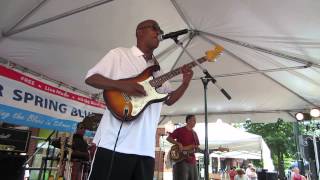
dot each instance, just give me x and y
(138, 103)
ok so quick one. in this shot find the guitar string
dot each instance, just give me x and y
(126, 97)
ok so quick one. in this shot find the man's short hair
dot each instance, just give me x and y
(189, 116)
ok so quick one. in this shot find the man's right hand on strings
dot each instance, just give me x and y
(132, 88)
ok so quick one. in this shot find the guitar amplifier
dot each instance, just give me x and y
(14, 140)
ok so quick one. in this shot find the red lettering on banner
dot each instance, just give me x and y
(27, 80)
(47, 88)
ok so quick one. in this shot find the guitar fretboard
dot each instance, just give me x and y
(157, 82)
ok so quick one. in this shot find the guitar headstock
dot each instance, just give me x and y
(211, 55)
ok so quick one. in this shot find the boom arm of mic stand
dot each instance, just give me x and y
(224, 92)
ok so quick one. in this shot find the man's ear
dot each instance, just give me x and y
(139, 33)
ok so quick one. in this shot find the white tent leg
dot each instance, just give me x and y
(261, 151)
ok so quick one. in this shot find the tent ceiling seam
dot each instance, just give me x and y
(54, 18)
(257, 48)
(267, 76)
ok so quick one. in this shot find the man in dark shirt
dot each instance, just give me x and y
(80, 154)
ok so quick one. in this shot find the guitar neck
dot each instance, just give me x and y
(165, 77)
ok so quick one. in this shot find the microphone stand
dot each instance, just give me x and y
(205, 81)
(48, 139)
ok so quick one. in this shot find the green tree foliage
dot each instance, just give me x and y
(279, 137)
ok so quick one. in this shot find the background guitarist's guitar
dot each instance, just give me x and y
(127, 108)
(177, 155)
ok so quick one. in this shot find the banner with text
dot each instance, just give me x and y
(28, 101)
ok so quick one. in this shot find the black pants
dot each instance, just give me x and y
(125, 166)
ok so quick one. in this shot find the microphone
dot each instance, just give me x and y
(172, 35)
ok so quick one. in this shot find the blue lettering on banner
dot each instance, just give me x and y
(1, 89)
(45, 103)
(18, 96)
(14, 115)
(79, 112)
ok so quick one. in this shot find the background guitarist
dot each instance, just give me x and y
(187, 139)
(135, 150)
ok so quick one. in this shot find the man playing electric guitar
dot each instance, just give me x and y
(126, 151)
(187, 140)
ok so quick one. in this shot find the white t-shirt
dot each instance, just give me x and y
(137, 136)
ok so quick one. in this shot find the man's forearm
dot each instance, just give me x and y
(100, 82)
(172, 140)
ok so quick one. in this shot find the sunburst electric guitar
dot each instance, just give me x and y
(128, 108)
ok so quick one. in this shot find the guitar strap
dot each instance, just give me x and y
(195, 140)
(155, 60)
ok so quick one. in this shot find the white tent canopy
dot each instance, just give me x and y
(270, 66)
(240, 144)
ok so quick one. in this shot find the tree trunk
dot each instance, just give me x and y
(280, 164)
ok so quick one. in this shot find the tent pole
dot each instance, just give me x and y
(254, 72)
(27, 15)
(261, 151)
(205, 82)
(183, 50)
(257, 48)
(235, 56)
(296, 133)
(162, 119)
(316, 150)
(60, 16)
(184, 18)
(170, 48)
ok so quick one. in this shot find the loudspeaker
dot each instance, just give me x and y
(309, 148)
(262, 175)
(14, 140)
(271, 176)
(11, 166)
(313, 169)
